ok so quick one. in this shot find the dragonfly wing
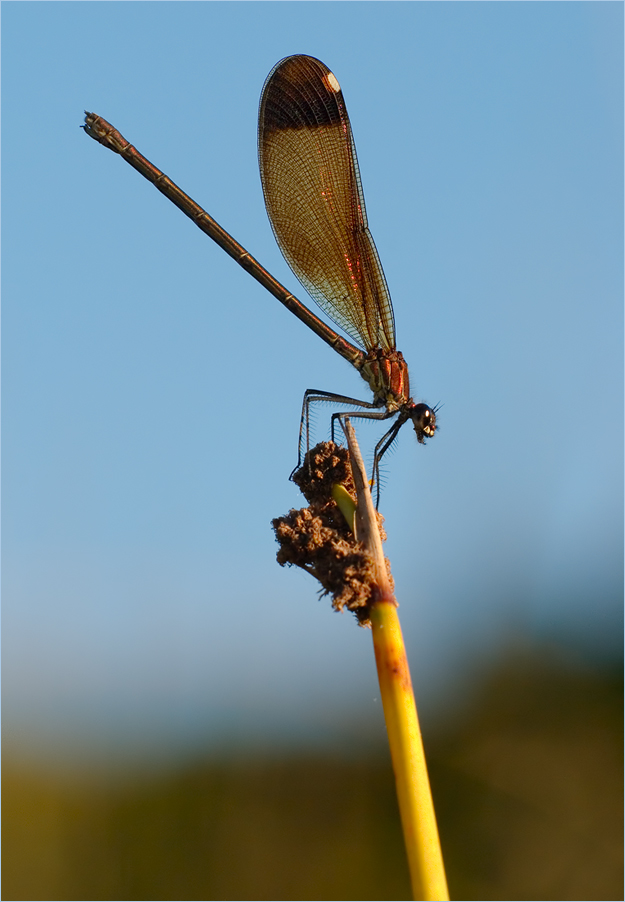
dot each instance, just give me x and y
(315, 201)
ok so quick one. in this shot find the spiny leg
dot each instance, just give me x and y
(375, 414)
(390, 435)
(311, 395)
(380, 450)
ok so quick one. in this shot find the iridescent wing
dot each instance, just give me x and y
(314, 199)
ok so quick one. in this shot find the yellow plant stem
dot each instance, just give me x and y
(425, 860)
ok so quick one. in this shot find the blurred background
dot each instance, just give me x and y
(182, 719)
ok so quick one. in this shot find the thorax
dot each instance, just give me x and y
(386, 372)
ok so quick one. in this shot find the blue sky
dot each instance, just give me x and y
(152, 390)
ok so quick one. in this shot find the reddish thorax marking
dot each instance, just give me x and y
(386, 371)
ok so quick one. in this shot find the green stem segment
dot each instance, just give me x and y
(425, 860)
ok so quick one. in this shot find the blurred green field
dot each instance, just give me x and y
(527, 781)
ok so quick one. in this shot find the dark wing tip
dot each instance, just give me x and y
(300, 92)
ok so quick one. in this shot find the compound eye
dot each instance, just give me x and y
(424, 421)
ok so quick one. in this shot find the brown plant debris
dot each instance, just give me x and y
(318, 539)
